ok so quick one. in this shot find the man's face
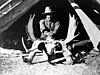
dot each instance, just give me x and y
(48, 17)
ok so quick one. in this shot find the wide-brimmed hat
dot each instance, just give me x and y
(48, 10)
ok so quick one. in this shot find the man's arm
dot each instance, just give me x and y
(44, 31)
(57, 24)
(42, 27)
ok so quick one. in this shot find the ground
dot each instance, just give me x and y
(12, 64)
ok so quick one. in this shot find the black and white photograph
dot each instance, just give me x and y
(49, 37)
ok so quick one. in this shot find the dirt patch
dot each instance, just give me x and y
(14, 65)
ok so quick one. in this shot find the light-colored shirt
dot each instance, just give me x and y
(49, 25)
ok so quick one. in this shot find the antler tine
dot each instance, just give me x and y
(26, 50)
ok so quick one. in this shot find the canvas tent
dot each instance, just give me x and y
(7, 20)
(14, 14)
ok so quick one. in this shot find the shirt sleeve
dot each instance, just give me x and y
(42, 27)
(57, 24)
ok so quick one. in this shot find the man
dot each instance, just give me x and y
(48, 26)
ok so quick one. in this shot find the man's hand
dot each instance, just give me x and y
(50, 33)
(57, 24)
(45, 33)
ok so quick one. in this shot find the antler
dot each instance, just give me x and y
(30, 28)
(71, 29)
(30, 32)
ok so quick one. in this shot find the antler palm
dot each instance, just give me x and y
(30, 28)
(71, 29)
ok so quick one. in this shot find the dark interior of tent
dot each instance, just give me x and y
(11, 38)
